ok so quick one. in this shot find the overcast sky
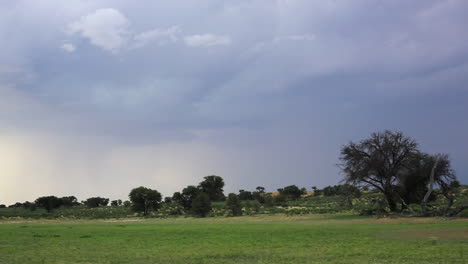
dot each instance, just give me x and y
(98, 97)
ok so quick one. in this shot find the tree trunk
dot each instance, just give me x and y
(391, 202)
(404, 205)
(431, 187)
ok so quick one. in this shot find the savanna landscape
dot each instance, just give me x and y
(419, 217)
(236, 132)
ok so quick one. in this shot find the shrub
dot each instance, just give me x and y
(201, 205)
(234, 205)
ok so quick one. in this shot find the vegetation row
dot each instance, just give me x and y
(384, 174)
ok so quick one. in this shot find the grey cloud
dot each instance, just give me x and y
(106, 28)
(207, 40)
(160, 36)
(68, 47)
(252, 90)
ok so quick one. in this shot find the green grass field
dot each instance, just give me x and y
(260, 239)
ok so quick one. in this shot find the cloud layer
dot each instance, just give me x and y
(97, 97)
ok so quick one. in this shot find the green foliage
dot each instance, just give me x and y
(280, 200)
(69, 201)
(368, 203)
(116, 202)
(393, 164)
(14, 212)
(185, 199)
(96, 202)
(171, 209)
(233, 204)
(245, 195)
(213, 186)
(291, 192)
(201, 205)
(144, 199)
(267, 200)
(48, 202)
(85, 212)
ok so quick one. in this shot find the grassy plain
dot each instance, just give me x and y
(257, 239)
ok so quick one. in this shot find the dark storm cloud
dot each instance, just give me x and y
(261, 92)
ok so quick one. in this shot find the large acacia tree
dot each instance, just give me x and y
(379, 162)
(392, 163)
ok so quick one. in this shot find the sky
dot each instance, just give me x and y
(98, 97)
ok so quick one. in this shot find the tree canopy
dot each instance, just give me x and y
(48, 202)
(393, 164)
(144, 199)
(96, 202)
(291, 192)
(213, 186)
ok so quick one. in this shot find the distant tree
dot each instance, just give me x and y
(317, 191)
(96, 202)
(178, 198)
(188, 194)
(48, 202)
(127, 204)
(259, 196)
(116, 202)
(233, 204)
(201, 205)
(260, 189)
(290, 192)
(167, 199)
(2, 206)
(69, 201)
(16, 205)
(213, 186)
(145, 199)
(29, 205)
(245, 195)
(329, 190)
